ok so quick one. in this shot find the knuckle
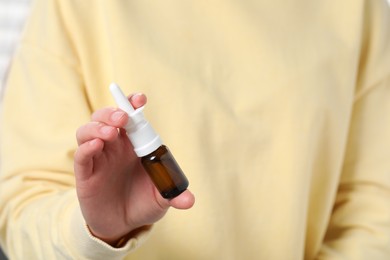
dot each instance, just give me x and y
(78, 155)
(87, 131)
(102, 114)
(79, 132)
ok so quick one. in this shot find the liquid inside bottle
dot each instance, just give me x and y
(165, 172)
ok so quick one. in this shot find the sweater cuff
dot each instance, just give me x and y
(87, 246)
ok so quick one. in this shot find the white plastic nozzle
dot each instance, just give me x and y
(141, 134)
(120, 99)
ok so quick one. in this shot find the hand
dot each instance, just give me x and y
(115, 193)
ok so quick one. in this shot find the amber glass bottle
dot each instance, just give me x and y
(155, 157)
(165, 172)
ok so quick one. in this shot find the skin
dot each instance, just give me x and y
(115, 193)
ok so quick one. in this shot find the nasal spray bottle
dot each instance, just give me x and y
(155, 157)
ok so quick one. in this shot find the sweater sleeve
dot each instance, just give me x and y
(44, 104)
(359, 227)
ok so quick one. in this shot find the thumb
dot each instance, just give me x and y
(184, 201)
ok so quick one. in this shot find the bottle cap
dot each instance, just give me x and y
(141, 134)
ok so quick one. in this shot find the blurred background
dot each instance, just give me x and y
(13, 14)
(12, 17)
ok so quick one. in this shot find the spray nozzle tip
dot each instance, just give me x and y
(121, 99)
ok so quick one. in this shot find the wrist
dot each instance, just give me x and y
(118, 242)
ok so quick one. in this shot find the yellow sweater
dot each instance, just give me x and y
(277, 111)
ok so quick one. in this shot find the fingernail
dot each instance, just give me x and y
(116, 116)
(92, 142)
(106, 129)
(135, 96)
